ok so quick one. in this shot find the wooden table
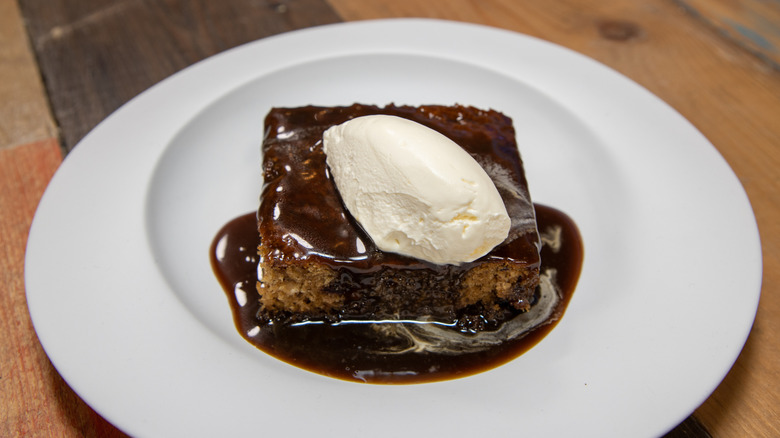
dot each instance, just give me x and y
(65, 65)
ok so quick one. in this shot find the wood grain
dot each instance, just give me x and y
(728, 93)
(95, 55)
(24, 110)
(753, 25)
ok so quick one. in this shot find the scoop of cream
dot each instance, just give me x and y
(415, 191)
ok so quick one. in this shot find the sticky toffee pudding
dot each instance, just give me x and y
(307, 285)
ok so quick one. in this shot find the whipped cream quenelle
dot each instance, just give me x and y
(415, 191)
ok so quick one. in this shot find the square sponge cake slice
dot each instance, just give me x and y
(316, 263)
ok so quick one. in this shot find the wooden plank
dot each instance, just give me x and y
(752, 24)
(34, 398)
(95, 55)
(24, 111)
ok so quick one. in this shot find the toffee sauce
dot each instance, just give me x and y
(347, 350)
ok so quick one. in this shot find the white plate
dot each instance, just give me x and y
(124, 302)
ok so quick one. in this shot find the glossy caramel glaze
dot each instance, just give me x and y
(385, 351)
(301, 216)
